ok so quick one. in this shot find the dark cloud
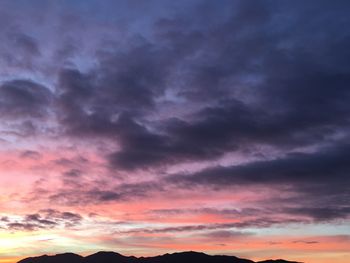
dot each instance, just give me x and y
(18, 49)
(4, 219)
(271, 212)
(256, 223)
(319, 180)
(325, 213)
(224, 234)
(329, 165)
(71, 162)
(260, 85)
(227, 213)
(44, 219)
(79, 192)
(25, 43)
(90, 103)
(249, 78)
(73, 173)
(30, 154)
(306, 242)
(24, 99)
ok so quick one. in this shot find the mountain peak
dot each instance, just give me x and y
(106, 253)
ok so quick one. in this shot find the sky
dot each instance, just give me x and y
(148, 127)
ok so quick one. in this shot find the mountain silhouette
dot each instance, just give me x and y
(112, 257)
(60, 258)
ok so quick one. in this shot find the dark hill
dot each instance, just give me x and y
(109, 257)
(194, 257)
(112, 257)
(60, 258)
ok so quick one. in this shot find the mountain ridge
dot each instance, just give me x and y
(114, 257)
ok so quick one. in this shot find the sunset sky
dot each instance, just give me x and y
(153, 126)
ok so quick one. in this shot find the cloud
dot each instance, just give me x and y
(73, 173)
(252, 89)
(30, 154)
(306, 242)
(44, 219)
(18, 49)
(256, 223)
(324, 213)
(97, 193)
(24, 99)
(323, 167)
(25, 43)
(224, 234)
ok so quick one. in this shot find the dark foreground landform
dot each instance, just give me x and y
(112, 257)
